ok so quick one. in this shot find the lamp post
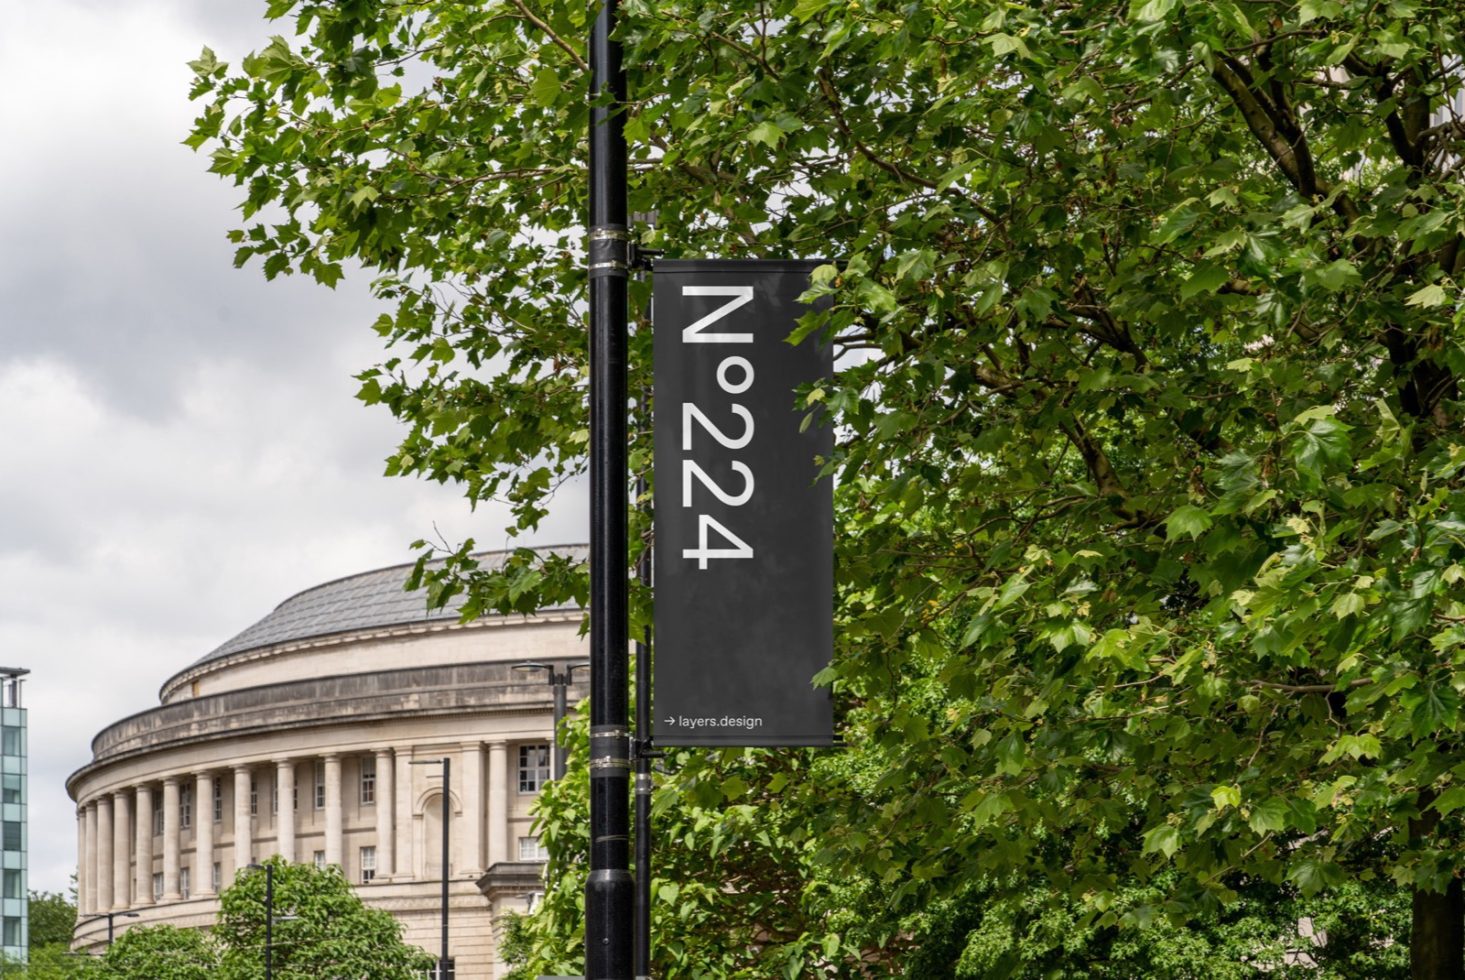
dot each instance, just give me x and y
(269, 870)
(560, 681)
(447, 764)
(110, 917)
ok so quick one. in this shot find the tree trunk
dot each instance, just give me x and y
(1437, 936)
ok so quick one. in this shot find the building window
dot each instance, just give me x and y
(157, 886)
(368, 864)
(295, 797)
(218, 801)
(185, 806)
(14, 788)
(531, 850)
(218, 875)
(14, 833)
(320, 784)
(533, 767)
(13, 884)
(275, 793)
(319, 857)
(253, 797)
(157, 820)
(13, 931)
(183, 881)
(368, 781)
(13, 745)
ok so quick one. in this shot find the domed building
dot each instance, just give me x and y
(302, 736)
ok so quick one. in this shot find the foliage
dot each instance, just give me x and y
(1150, 505)
(52, 919)
(332, 935)
(160, 953)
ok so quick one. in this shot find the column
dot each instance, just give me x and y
(470, 828)
(104, 854)
(406, 869)
(333, 809)
(243, 826)
(202, 880)
(386, 807)
(498, 803)
(121, 850)
(285, 808)
(172, 840)
(81, 861)
(89, 863)
(142, 889)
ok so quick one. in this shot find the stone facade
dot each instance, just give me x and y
(304, 746)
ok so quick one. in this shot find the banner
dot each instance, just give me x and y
(744, 531)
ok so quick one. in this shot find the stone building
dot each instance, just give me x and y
(298, 737)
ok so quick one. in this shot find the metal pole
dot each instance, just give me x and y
(442, 968)
(644, 781)
(109, 928)
(269, 920)
(608, 892)
(561, 683)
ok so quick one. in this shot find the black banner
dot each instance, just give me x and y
(744, 532)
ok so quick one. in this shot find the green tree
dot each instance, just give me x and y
(52, 919)
(160, 953)
(331, 934)
(1150, 463)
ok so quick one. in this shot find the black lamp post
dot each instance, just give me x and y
(110, 917)
(560, 681)
(269, 870)
(447, 764)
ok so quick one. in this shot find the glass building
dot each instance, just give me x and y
(14, 833)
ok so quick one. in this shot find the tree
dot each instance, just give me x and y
(332, 935)
(52, 919)
(1150, 505)
(160, 953)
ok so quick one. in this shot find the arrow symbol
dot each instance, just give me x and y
(671, 720)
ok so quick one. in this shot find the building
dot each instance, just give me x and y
(14, 828)
(299, 737)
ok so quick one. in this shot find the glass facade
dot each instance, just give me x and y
(14, 831)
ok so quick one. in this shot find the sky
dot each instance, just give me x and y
(180, 446)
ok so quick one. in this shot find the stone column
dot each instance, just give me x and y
(121, 851)
(333, 809)
(202, 882)
(81, 897)
(470, 833)
(498, 802)
(142, 887)
(285, 808)
(406, 869)
(89, 857)
(104, 854)
(243, 828)
(172, 841)
(386, 804)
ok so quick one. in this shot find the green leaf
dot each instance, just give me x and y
(1150, 10)
(1187, 520)
(767, 133)
(1163, 839)
(546, 87)
(1224, 796)
(1205, 279)
(1449, 801)
(1337, 275)
(1269, 817)
(1431, 295)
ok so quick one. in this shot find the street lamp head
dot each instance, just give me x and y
(577, 665)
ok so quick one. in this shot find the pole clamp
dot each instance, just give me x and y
(610, 751)
(610, 251)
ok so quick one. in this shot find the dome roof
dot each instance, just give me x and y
(368, 600)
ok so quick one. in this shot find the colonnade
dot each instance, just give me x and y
(117, 859)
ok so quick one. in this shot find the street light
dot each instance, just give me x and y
(560, 681)
(110, 916)
(269, 870)
(447, 764)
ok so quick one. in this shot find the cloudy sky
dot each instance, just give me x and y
(180, 448)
